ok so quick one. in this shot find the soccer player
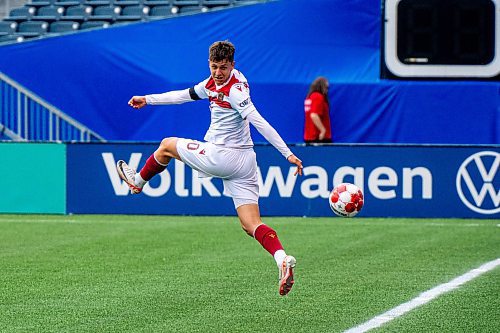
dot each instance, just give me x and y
(227, 152)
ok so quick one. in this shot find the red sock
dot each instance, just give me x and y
(267, 238)
(151, 168)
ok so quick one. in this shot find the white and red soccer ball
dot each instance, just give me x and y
(346, 200)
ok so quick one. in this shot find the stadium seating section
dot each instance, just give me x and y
(40, 18)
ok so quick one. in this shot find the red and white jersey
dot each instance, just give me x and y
(230, 104)
(231, 112)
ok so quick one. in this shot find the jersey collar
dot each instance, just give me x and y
(225, 83)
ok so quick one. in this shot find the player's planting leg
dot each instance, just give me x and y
(286, 275)
(268, 238)
(155, 164)
(251, 222)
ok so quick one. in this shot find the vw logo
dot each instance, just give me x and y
(478, 184)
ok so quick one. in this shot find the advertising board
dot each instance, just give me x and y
(398, 181)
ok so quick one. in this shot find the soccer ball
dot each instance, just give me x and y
(346, 200)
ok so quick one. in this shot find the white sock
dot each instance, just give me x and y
(279, 256)
(139, 182)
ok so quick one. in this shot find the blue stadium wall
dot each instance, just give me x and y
(281, 47)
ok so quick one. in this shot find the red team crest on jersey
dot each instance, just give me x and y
(220, 96)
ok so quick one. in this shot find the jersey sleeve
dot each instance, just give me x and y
(179, 96)
(170, 97)
(199, 90)
(239, 98)
(269, 133)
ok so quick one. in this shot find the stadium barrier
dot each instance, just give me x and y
(25, 116)
(397, 180)
(33, 178)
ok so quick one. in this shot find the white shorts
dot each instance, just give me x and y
(236, 167)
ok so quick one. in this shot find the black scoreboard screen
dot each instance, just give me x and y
(442, 38)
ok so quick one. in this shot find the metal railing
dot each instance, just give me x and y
(25, 116)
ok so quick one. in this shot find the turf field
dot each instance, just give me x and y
(98, 273)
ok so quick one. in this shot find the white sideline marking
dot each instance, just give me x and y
(423, 298)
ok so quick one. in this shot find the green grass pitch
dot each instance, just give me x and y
(116, 273)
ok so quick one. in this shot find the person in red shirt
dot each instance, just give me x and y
(317, 127)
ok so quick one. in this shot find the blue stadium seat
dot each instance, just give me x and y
(21, 14)
(7, 28)
(133, 13)
(31, 29)
(192, 9)
(186, 2)
(99, 2)
(216, 2)
(122, 3)
(63, 26)
(48, 13)
(11, 38)
(68, 3)
(94, 25)
(245, 2)
(158, 2)
(40, 3)
(105, 13)
(77, 13)
(160, 11)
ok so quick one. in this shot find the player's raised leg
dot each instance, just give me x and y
(155, 164)
(251, 222)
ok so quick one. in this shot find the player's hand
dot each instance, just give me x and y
(137, 102)
(295, 160)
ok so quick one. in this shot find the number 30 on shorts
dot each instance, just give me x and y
(193, 146)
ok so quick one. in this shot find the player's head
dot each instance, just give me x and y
(221, 61)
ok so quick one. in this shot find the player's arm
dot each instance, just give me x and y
(272, 136)
(241, 102)
(171, 97)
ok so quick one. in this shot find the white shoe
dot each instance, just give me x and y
(286, 275)
(127, 174)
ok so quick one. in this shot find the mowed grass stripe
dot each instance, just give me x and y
(118, 273)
